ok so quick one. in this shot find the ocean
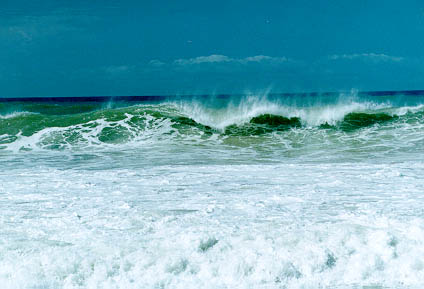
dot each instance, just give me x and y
(223, 191)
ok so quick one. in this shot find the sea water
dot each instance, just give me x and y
(248, 191)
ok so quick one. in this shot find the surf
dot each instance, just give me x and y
(53, 124)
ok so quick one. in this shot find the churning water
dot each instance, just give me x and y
(278, 191)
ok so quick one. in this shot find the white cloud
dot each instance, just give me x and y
(217, 58)
(261, 58)
(370, 56)
(156, 63)
(214, 58)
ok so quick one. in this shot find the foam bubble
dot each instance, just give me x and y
(272, 226)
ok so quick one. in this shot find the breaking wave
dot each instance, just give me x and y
(28, 126)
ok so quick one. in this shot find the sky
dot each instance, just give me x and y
(88, 48)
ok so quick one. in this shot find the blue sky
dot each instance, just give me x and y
(75, 48)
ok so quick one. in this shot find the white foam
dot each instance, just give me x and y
(14, 114)
(254, 105)
(87, 134)
(302, 209)
(272, 226)
(409, 109)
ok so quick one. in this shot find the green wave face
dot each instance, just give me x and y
(263, 124)
(28, 126)
(353, 121)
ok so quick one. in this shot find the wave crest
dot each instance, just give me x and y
(185, 121)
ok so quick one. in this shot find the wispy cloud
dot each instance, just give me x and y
(214, 58)
(156, 63)
(263, 58)
(217, 58)
(367, 56)
(28, 25)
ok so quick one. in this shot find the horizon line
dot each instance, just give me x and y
(152, 97)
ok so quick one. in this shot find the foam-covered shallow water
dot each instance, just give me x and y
(247, 192)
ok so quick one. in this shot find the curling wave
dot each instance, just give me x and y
(28, 126)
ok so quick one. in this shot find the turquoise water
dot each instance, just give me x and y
(251, 191)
